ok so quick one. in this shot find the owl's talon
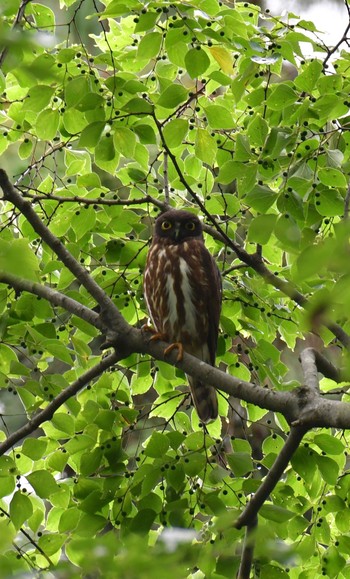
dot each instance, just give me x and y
(179, 347)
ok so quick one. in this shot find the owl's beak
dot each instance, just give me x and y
(177, 231)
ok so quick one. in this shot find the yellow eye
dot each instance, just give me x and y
(166, 225)
(190, 226)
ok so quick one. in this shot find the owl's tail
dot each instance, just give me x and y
(205, 400)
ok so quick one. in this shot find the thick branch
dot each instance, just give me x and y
(60, 399)
(297, 406)
(291, 445)
(308, 363)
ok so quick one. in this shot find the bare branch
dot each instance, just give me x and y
(308, 362)
(51, 408)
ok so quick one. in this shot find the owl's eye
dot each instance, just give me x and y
(166, 225)
(190, 226)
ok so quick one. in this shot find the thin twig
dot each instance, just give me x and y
(341, 41)
(166, 179)
(29, 538)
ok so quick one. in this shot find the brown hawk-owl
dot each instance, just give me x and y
(182, 288)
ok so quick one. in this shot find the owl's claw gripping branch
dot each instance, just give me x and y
(162, 336)
(179, 347)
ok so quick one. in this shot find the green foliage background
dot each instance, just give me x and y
(101, 120)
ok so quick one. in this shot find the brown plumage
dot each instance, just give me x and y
(182, 288)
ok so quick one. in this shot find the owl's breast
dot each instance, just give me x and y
(174, 291)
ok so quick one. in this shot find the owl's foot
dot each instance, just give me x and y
(179, 347)
(164, 338)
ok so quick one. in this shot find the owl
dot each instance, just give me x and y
(183, 293)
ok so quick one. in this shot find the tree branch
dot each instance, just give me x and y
(251, 510)
(248, 551)
(53, 297)
(308, 363)
(327, 368)
(60, 399)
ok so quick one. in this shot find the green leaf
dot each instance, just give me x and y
(34, 448)
(17, 258)
(124, 141)
(257, 131)
(329, 444)
(332, 177)
(64, 422)
(157, 445)
(174, 132)
(194, 464)
(149, 45)
(219, 117)
(47, 124)
(205, 147)
(240, 462)
(43, 483)
(21, 509)
(261, 198)
(90, 462)
(38, 98)
(58, 350)
(304, 463)
(145, 133)
(91, 134)
(281, 97)
(329, 469)
(143, 521)
(75, 90)
(276, 513)
(52, 543)
(307, 80)
(146, 21)
(261, 228)
(196, 62)
(229, 171)
(172, 96)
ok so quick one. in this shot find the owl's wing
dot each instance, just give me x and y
(214, 301)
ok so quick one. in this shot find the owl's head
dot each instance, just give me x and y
(178, 226)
